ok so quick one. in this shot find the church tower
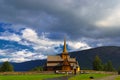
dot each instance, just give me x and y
(64, 48)
(64, 53)
(61, 62)
(66, 64)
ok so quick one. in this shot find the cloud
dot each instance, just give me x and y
(12, 37)
(79, 45)
(111, 20)
(76, 18)
(30, 35)
(46, 46)
(41, 46)
(19, 56)
(3, 59)
(42, 24)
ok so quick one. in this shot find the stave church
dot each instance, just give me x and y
(62, 62)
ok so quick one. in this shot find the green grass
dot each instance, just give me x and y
(29, 77)
(87, 76)
(118, 78)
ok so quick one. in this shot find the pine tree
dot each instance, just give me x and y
(105, 67)
(6, 67)
(97, 64)
(110, 66)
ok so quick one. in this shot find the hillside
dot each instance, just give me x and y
(84, 57)
(26, 66)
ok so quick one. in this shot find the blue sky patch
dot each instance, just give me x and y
(5, 44)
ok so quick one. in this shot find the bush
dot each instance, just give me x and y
(39, 68)
(97, 64)
(6, 67)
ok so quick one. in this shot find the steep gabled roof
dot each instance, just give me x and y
(53, 64)
(54, 58)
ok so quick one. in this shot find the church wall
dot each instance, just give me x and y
(53, 68)
(66, 68)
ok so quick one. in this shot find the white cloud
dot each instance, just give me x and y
(38, 56)
(11, 37)
(18, 60)
(46, 46)
(4, 59)
(42, 46)
(30, 35)
(79, 45)
(19, 56)
(25, 55)
(2, 52)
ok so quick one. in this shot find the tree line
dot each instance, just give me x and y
(7, 67)
(100, 66)
(97, 64)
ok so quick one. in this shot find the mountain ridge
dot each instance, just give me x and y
(106, 53)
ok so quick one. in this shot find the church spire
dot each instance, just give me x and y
(64, 48)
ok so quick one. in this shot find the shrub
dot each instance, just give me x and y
(39, 68)
(6, 67)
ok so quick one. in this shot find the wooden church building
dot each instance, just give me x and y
(62, 62)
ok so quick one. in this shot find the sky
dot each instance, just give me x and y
(33, 29)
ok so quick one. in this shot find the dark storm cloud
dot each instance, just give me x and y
(76, 18)
(37, 27)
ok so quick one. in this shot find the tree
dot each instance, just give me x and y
(119, 70)
(39, 68)
(105, 67)
(109, 66)
(97, 64)
(6, 67)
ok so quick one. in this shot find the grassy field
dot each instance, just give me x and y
(44, 76)
(29, 77)
(118, 78)
(87, 76)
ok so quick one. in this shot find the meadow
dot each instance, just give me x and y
(47, 76)
(29, 77)
(118, 78)
(87, 76)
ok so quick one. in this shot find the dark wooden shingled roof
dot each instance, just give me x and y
(58, 58)
(51, 59)
(54, 58)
